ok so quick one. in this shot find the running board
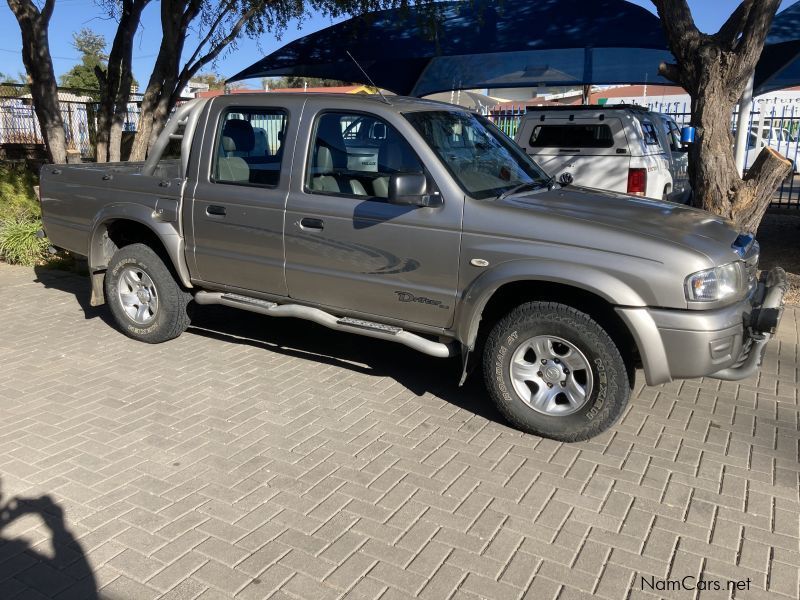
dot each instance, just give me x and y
(348, 324)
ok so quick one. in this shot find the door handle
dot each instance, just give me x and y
(216, 211)
(311, 223)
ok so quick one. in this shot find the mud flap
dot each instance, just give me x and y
(98, 296)
(465, 370)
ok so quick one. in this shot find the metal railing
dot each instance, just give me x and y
(19, 125)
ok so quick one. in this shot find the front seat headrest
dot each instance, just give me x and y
(228, 145)
(241, 133)
(324, 163)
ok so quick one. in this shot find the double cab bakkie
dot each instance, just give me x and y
(420, 223)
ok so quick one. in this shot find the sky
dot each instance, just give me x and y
(72, 15)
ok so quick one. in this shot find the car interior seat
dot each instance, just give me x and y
(229, 166)
(330, 160)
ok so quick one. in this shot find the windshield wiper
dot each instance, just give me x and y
(548, 183)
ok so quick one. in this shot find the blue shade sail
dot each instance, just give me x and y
(779, 65)
(426, 49)
(455, 45)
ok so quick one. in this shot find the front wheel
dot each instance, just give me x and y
(145, 300)
(554, 371)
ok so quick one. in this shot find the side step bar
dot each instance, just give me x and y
(348, 324)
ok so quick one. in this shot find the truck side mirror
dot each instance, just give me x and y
(411, 189)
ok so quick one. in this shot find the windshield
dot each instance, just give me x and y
(484, 162)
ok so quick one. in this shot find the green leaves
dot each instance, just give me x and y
(19, 243)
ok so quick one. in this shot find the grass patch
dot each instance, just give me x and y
(16, 191)
(19, 244)
(20, 216)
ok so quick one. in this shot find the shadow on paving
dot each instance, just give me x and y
(64, 574)
(297, 338)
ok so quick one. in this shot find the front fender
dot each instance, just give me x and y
(166, 232)
(483, 287)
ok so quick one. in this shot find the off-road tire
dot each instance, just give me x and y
(171, 319)
(611, 389)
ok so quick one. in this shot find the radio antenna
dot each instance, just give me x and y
(369, 79)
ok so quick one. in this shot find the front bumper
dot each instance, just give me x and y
(763, 321)
(726, 343)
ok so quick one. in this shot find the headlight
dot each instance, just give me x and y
(717, 283)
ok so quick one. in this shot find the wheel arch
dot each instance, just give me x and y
(121, 225)
(588, 290)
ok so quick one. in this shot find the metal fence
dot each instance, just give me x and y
(778, 128)
(19, 125)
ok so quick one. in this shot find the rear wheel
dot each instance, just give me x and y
(145, 300)
(554, 371)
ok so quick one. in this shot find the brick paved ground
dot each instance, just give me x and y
(270, 458)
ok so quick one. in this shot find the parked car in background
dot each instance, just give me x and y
(618, 148)
(419, 223)
(669, 135)
(779, 139)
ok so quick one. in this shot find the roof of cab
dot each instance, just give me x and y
(399, 103)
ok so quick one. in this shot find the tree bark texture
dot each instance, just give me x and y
(115, 82)
(33, 24)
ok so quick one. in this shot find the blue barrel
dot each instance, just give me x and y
(687, 135)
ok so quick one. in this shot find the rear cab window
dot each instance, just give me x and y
(249, 147)
(577, 135)
(558, 133)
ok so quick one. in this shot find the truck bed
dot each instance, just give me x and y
(73, 196)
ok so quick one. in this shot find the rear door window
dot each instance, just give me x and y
(572, 135)
(250, 146)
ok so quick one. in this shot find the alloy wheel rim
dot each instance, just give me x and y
(138, 295)
(551, 375)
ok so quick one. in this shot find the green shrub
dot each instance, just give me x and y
(16, 191)
(18, 242)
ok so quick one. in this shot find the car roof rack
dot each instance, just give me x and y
(588, 107)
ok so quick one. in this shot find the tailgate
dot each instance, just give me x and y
(593, 151)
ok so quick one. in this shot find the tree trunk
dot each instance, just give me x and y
(115, 142)
(712, 169)
(175, 19)
(33, 25)
(714, 70)
(115, 83)
(156, 87)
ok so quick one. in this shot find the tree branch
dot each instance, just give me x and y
(762, 179)
(211, 30)
(679, 26)
(47, 11)
(733, 27)
(190, 69)
(669, 71)
(756, 27)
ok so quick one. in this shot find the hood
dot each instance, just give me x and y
(675, 224)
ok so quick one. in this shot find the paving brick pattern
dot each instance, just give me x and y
(259, 458)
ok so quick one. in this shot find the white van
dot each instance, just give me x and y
(617, 148)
